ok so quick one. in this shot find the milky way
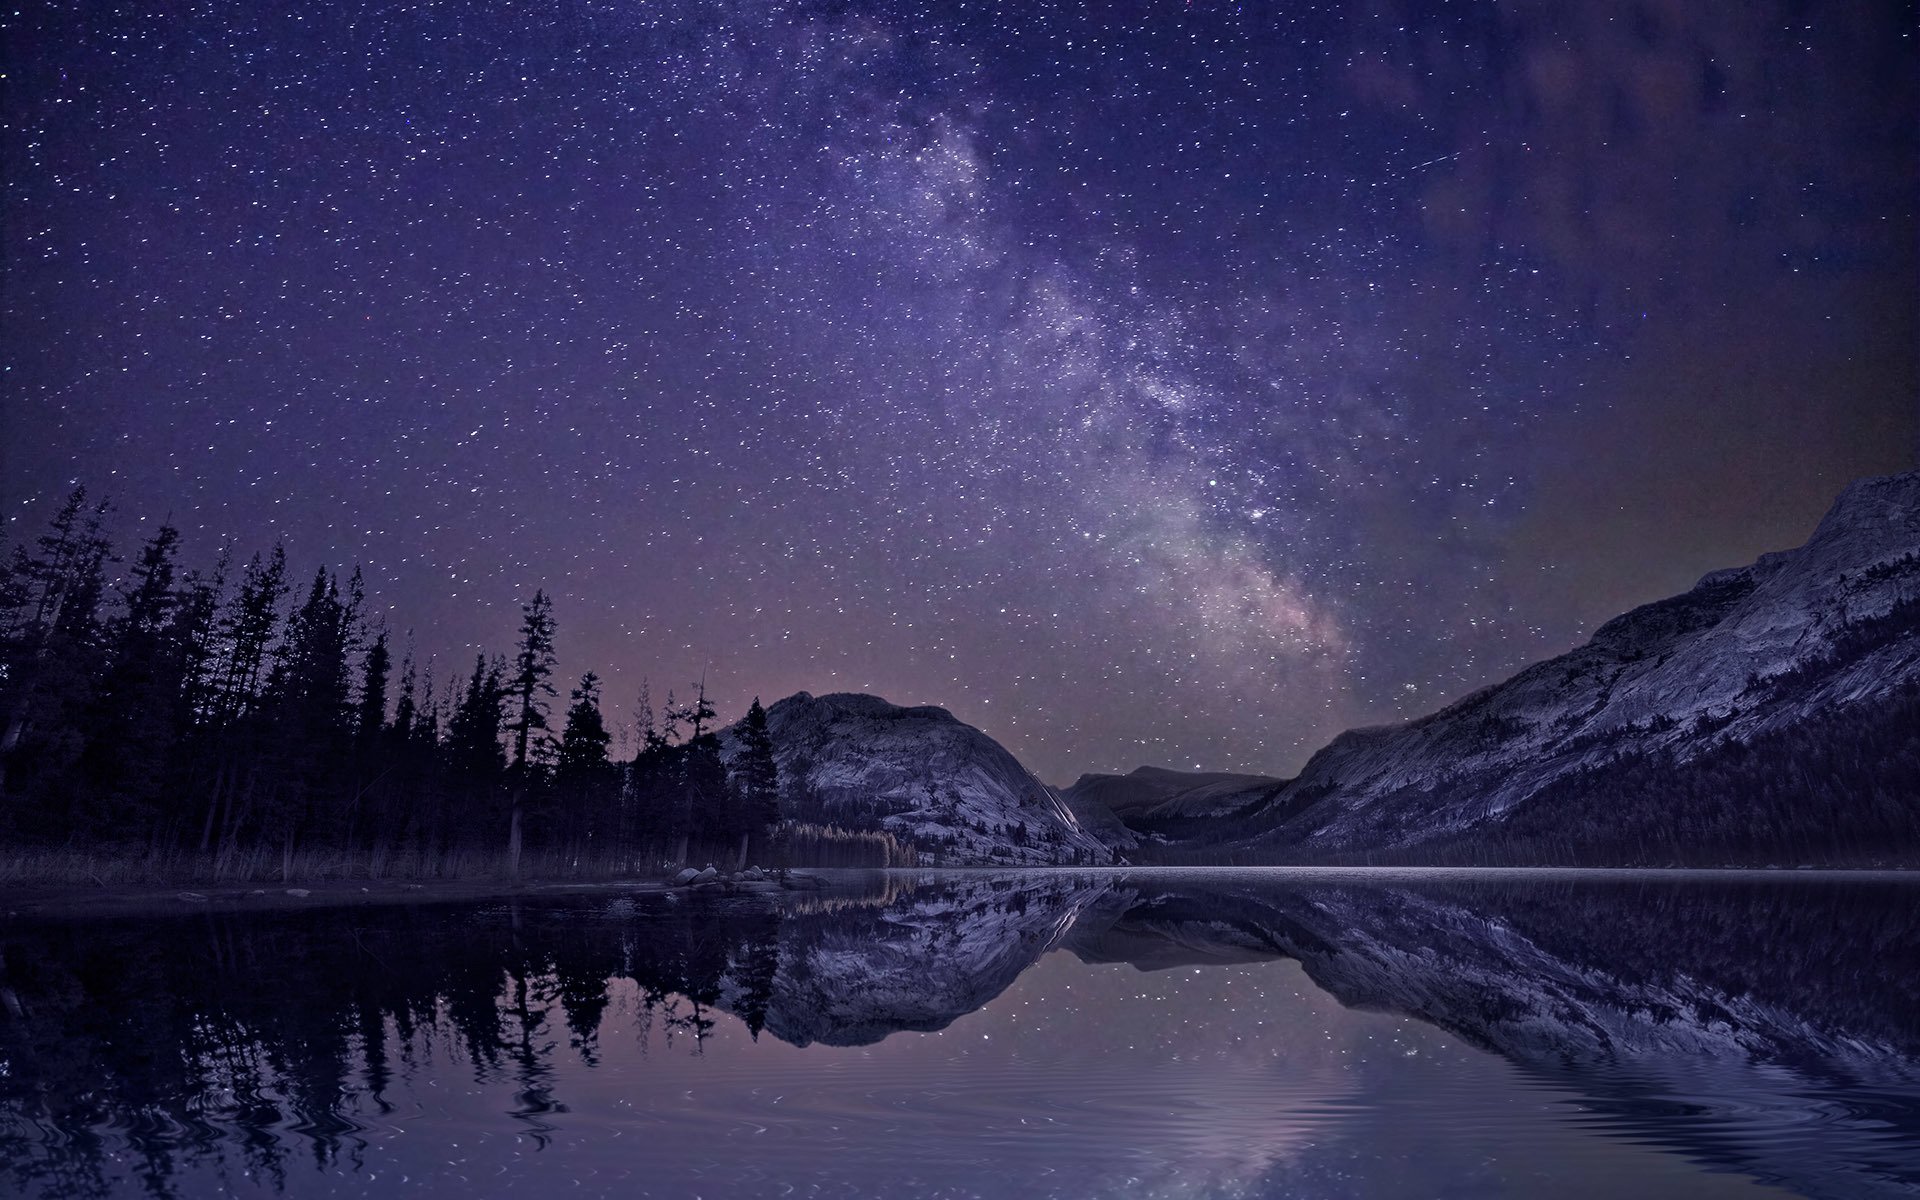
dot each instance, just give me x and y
(1171, 383)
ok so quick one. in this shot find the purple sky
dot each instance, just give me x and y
(1175, 383)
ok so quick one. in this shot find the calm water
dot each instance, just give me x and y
(1159, 1034)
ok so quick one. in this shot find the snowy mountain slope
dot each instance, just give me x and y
(859, 762)
(1798, 636)
(1150, 795)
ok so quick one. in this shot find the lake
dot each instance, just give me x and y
(1065, 1033)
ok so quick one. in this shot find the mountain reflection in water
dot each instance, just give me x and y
(986, 1034)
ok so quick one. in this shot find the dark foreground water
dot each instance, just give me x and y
(1151, 1034)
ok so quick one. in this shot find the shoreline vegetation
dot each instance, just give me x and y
(47, 896)
(168, 726)
(227, 724)
(93, 868)
(105, 871)
(29, 895)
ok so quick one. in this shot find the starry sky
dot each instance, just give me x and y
(1175, 382)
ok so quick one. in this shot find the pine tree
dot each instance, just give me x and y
(700, 714)
(374, 751)
(531, 684)
(195, 630)
(374, 669)
(703, 788)
(139, 716)
(583, 777)
(654, 796)
(246, 629)
(703, 805)
(530, 687)
(473, 729)
(646, 732)
(755, 781)
(56, 647)
(151, 600)
(406, 705)
(670, 718)
(310, 707)
(584, 740)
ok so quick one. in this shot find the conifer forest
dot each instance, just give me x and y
(248, 719)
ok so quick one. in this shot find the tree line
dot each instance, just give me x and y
(237, 720)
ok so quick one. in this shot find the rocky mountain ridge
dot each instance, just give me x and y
(955, 794)
(1805, 663)
(1769, 714)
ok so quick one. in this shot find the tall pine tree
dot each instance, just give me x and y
(140, 714)
(53, 655)
(530, 688)
(755, 780)
(583, 777)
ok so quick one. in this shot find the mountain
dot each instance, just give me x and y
(1097, 819)
(1769, 715)
(1150, 796)
(1772, 713)
(957, 795)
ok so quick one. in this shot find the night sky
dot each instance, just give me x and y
(1173, 382)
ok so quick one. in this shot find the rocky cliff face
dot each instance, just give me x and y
(917, 773)
(1828, 631)
(1769, 715)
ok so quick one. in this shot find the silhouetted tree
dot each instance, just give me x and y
(406, 704)
(140, 713)
(703, 782)
(530, 687)
(310, 708)
(646, 732)
(584, 741)
(374, 669)
(178, 707)
(53, 654)
(755, 780)
(246, 630)
(473, 730)
(670, 717)
(699, 714)
(583, 778)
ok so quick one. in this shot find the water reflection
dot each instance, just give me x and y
(1763, 1028)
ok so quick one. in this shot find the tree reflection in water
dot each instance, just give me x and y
(264, 1043)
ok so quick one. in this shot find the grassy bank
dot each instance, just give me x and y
(80, 868)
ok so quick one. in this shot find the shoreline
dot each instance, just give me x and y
(28, 901)
(25, 902)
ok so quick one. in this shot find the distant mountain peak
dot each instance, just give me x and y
(1150, 799)
(868, 704)
(1689, 725)
(858, 761)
